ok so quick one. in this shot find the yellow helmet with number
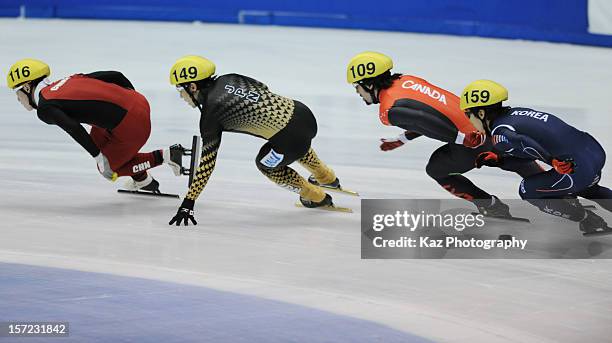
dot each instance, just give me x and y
(191, 69)
(26, 70)
(482, 93)
(366, 65)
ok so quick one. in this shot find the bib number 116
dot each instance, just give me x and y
(25, 72)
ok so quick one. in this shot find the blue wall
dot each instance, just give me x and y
(550, 20)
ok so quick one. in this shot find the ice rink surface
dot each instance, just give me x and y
(57, 211)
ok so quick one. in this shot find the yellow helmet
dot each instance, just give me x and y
(366, 65)
(482, 93)
(191, 69)
(26, 70)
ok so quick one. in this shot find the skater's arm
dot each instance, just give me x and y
(395, 142)
(506, 140)
(410, 135)
(424, 123)
(55, 116)
(114, 77)
(211, 131)
(421, 118)
(208, 159)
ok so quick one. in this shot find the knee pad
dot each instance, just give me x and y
(430, 169)
(437, 167)
(522, 191)
(433, 170)
(265, 169)
(268, 159)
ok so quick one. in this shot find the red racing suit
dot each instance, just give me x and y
(118, 115)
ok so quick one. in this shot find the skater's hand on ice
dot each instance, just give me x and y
(393, 143)
(488, 158)
(564, 166)
(472, 140)
(184, 214)
(104, 167)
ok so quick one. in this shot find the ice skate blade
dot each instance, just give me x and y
(597, 233)
(511, 218)
(326, 208)
(340, 190)
(150, 194)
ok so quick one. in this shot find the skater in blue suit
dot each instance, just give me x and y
(523, 133)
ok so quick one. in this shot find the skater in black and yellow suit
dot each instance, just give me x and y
(238, 103)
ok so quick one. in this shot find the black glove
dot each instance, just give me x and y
(184, 214)
(489, 159)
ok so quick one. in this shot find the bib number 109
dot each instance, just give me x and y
(363, 69)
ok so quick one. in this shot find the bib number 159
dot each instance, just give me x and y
(477, 96)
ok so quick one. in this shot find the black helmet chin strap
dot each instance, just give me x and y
(193, 97)
(485, 120)
(374, 95)
(31, 97)
(372, 91)
(33, 88)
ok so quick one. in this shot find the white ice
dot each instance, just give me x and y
(56, 210)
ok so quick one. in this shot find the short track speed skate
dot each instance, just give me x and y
(334, 186)
(326, 204)
(594, 225)
(146, 187)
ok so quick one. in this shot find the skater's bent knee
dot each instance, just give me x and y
(522, 191)
(435, 171)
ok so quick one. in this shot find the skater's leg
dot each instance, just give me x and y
(288, 145)
(289, 179)
(319, 170)
(99, 136)
(273, 165)
(140, 163)
(142, 182)
(140, 176)
(599, 194)
(522, 167)
(547, 190)
(447, 164)
(125, 142)
(123, 145)
(295, 140)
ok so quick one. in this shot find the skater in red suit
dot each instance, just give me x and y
(106, 100)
